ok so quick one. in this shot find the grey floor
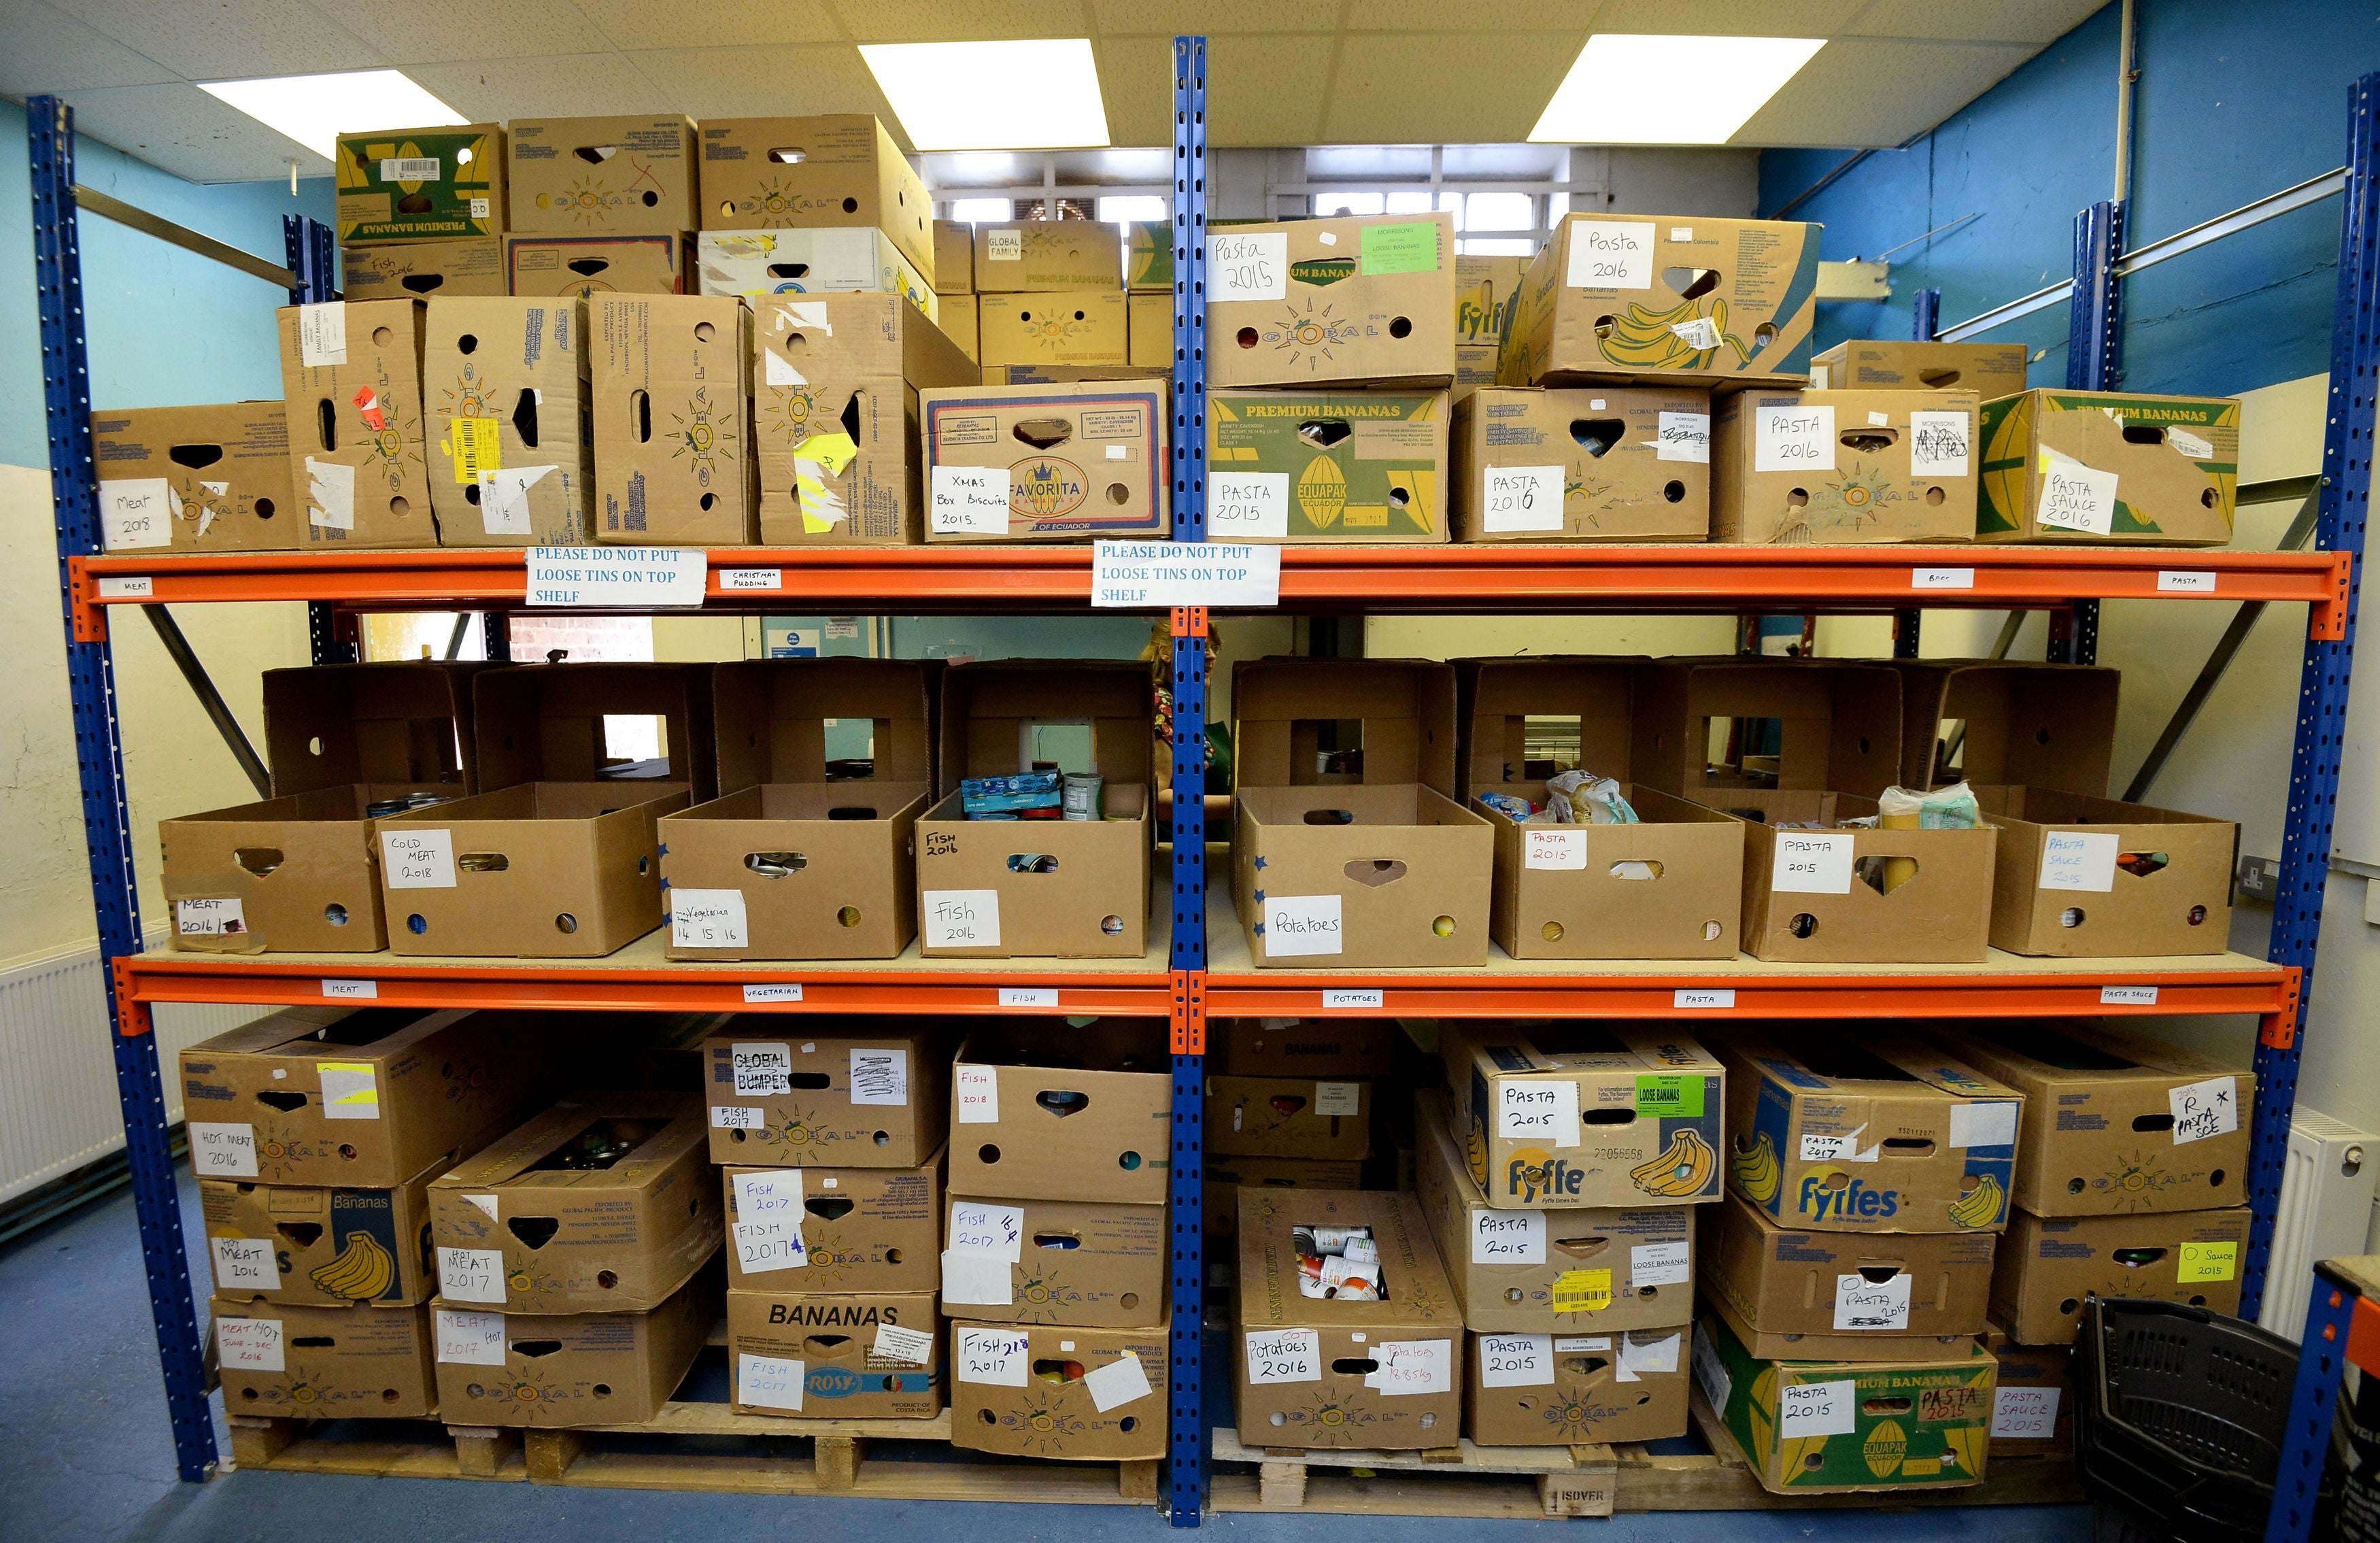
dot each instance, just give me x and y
(85, 1454)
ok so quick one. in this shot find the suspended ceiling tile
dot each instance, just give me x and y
(1484, 16)
(220, 40)
(1136, 86)
(1170, 19)
(2035, 21)
(1773, 19)
(50, 51)
(942, 21)
(640, 25)
(1265, 90)
(1461, 87)
(784, 81)
(181, 129)
(581, 85)
(1869, 92)
(463, 31)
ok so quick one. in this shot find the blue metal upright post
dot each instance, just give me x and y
(2314, 1404)
(1186, 1468)
(91, 675)
(2094, 344)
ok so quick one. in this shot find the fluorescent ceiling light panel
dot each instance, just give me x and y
(1634, 89)
(315, 110)
(1038, 94)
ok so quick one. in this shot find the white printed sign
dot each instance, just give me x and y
(1984, 1124)
(322, 335)
(978, 1095)
(1817, 1409)
(969, 501)
(769, 1381)
(2075, 497)
(470, 1339)
(1336, 1100)
(1560, 849)
(2025, 1414)
(1122, 1381)
(971, 1278)
(1253, 267)
(637, 577)
(1543, 1111)
(416, 859)
(911, 1347)
(1863, 1303)
(245, 1264)
(1507, 1236)
(221, 1151)
(993, 1357)
(1407, 1368)
(1799, 438)
(1523, 498)
(1516, 1360)
(2204, 1109)
(980, 1227)
(1247, 503)
(471, 1275)
(761, 1068)
(209, 918)
(2079, 860)
(962, 918)
(249, 1345)
(135, 512)
(881, 1076)
(1813, 862)
(1298, 925)
(1660, 1263)
(1683, 436)
(1283, 1355)
(1610, 254)
(707, 918)
(1158, 575)
(1937, 444)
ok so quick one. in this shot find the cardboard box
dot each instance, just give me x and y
(2032, 1409)
(1332, 302)
(506, 383)
(1071, 374)
(265, 1101)
(1475, 368)
(1846, 1134)
(1225, 1176)
(959, 316)
(1667, 887)
(1822, 1426)
(1064, 327)
(1484, 289)
(2048, 1265)
(953, 258)
(556, 1371)
(2078, 877)
(1374, 866)
(323, 1244)
(1550, 1271)
(632, 176)
(1149, 320)
(838, 170)
(1383, 1375)
(670, 387)
(1609, 464)
(1047, 1111)
(1148, 257)
(794, 861)
(759, 263)
(1988, 370)
(2125, 1123)
(831, 1357)
(2041, 725)
(1329, 1047)
(1836, 726)
(835, 385)
(1092, 1264)
(1566, 1115)
(864, 1230)
(1075, 1394)
(1038, 256)
(602, 1203)
(1843, 467)
(195, 479)
(2109, 467)
(421, 269)
(1288, 1117)
(586, 266)
(1047, 462)
(420, 183)
(1561, 1390)
(1359, 467)
(286, 1360)
(1008, 889)
(1632, 297)
(784, 1096)
(352, 375)
(549, 722)
(1838, 1296)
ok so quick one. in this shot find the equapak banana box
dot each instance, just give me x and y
(1558, 1115)
(1840, 1136)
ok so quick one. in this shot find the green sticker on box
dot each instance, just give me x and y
(1670, 1097)
(1407, 246)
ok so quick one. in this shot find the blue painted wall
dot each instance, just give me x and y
(2234, 103)
(166, 327)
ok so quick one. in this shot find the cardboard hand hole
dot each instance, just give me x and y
(285, 1102)
(312, 1342)
(467, 344)
(1551, 931)
(2196, 916)
(1118, 493)
(2074, 1186)
(525, 417)
(825, 1344)
(1608, 1117)
(422, 283)
(790, 271)
(1908, 1147)
(1889, 1405)
(1373, 872)
(400, 506)
(1514, 1294)
(1050, 1369)
(789, 155)
(413, 203)
(1598, 435)
(1837, 1181)
(1032, 862)
(1324, 432)
(708, 500)
(326, 419)
(1690, 284)
(1330, 817)
(1583, 1248)
(1877, 1274)
(1062, 1102)
(196, 457)
(2215, 1176)
(1278, 1418)
(536, 1349)
(587, 267)
(2206, 498)
(1869, 441)
(846, 916)
(1129, 1163)
(640, 415)
(265, 508)
(775, 865)
(607, 1279)
(1057, 1239)
(417, 924)
(1400, 497)
(1764, 335)
(2143, 434)
(483, 862)
(304, 1235)
(1934, 495)
(1803, 925)
(1401, 326)
(828, 1208)
(1884, 875)
(727, 208)
(2150, 1123)
(987, 1154)
(335, 914)
(1351, 1366)
(1286, 1103)
(810, 1082)
(1711, 930)
(471, 494)
(851, 206)
(1638, 871)
(1043, 433)
(704, 332)
(2139, 865)
(259, 860)
(535, 1232)
(1968, 1184)
(2137, 1259)
(1938, 380)
(595, 155)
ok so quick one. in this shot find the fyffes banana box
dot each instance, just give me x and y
(1811, 1426)
(1555, 1116)
(1841, 1134)
(2109, 467)
(323, 1244)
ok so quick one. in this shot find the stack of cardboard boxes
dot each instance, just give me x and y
(1291, 1104)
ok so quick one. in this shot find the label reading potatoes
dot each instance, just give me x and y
(1299, 925)
(1610, 254)
(1283, 1355)
(1799, 438)
(418, 860)
(1405, 1368)
(1813, 862)
(1508, 1237)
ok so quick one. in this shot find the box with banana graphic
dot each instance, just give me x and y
(1837, 1134)
(323, 1244)
(1842, 1296)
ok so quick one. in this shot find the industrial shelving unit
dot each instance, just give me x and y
(1199, 966)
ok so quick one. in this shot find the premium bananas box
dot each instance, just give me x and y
(837, 170)
(557, 1370)
(1591, 463)
(351, 374)
(2107, 467)
(784, 1096)
(1843, 467)
(1042, 463)
(505, 382)
(1289, 1117)
(1988, 370)
(1620, 297)
(1549, 1271)
(603, 1203)
(1048, 1391)
(1559, 1115)
(2032, 1409)
(290, 1361)
(1092, 1264)
(1318, 467)
(873, 1355)
(1842, 1134)
(1842, 1296)
(1816, 1427)
(420, 183)
(323, 1244)
(2048, 1265)
(1051, 1110)
(1563, 1390)
(1148, 257)
(421, 269)
(1332, 302)
(817, 1230)
(608, 176)
(1323, 1367)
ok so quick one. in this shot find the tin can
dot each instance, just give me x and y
(1082, 795)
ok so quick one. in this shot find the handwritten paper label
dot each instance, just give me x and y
(1523, 498)
(141, 588)
(769, 1381)
(736, 1117)
(1813, 862)
(2075, 497)
(969, 501)
(1560, 849)
(471, 1275)
(637, 577)
(1283, 1355)
(470, 1339)
(249, 1345)
(1610, 254)
(2128, 996)
(416, 859)
(770, 1245)
(245, 1264)
(1301, 926)
(1508, 1237)
(761, 1068)
(2204, 1109)
(993, 1357)
(978, 1094)
(209, 918)
(1861, 1303)
(2203, 1262)
(1941, 579)
(1704, 996)
(761, 991)
(1836, 1149)
(1029, 996)
(1799, 438)
(1247, 503)
(221, 1151)
(962, 918)
(351, 990)
(135, 512)
(879, 1076)
(1544, 1110)
(1358, 1001)
(1937, 444)
(1516, 1360)
(2025, 1414)
(763, 579)
(981, 1227)
(1159, 575)
(1683, 436)
(1817, 1409)
(1253, 267)
(2079, 860)
(2178, 581)
(707, 918)
(1408, 1367)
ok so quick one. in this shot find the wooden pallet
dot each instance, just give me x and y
(375, 1449)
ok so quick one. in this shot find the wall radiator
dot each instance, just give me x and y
(2325, 1211)
(58, 1109)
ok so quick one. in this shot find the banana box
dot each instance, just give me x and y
(288, 1360)
(209, 478)
(2032, 1409)
(1843, 467)
(954, 258)
(1323, 467)
(351, 377)
(585, 266)
(1620, 297)
(1289, 1117)
(420, 183)
(1332, 1047)
(1149, 326)
(1054, 1110)
(2048, 1265)
(2109, 467)
(1842, 1296)
(1820, 1427)
(1225, 1176)
(603, 175)
(815, 1230)
(761, 264)
(1092, 1264)
(559, 1370)
(838, 170)
(1835, 1133)
(421, 269)
(1988, 370)
(1072, 1394)
(505, 383)
(1560, 1273)
(783, 1098)
(1034, 256)
(1332, 302)
(320, 1244)
(1556, 1116)
(1584, 464)
(1563, 1390)
(603, 1203)
(873, 1355)
(1048, 463)
(1056, 329)
(670, 387)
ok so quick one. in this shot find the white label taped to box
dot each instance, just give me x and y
(1660, 1263)
(135, 512)
(879, 1076)
(707, 918)
(2074, 496)
(974, 1278)
(978, 1094)
(912, 1347)
(1523, 498)
(1559, 850)
(1507, 1236)
(962, 918)
(1991, 1123)
(1122, 1381)
(1300, 925)
(416, 859)
(249, 1345)
(1937, 444)
(350, 1090)
(994, 1357)
(471, 1275)
(1863, 1303)
(1683, 436)
(1408, 1367)
(979, 1226)
(2025, 1414)
(209, 918)
(470, 1339)
(1516, 1360)
(1542, 1110)
(1817, 1409)
(770, 1245)
(1283, 1355)
(1813, 862)
(969, 501)
(1799, 438)
(2204, 1109)
(2083, 861)
(1610, 254)
(245, 1264)
(769, 1381)
(221, 1151)
(1247, 267)
(1247, 505)
(761, 1067)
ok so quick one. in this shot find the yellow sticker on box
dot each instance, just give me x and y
(1582, 1291)
(475, 447)
(2209, 1261)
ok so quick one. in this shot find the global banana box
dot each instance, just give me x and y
(631, 176)
(1816, 1427)
(669, 381)
(2048, 1265)
(1622, 298)
(211, 479)
(815, 1230)
(421, 269)
(358, 469)
(1332, 1047)
(1039, 256)
(1556, 1116)
(1553, 1390)
(1988, 370)
(1585, 464)
(1289, 1117)
(504, 383)
(1308, 466)
(603, 1203)
(1803, 1296)
(559, 1370)
(1225, 1176)
(1834, 1134)
(760, 263)
(1332, 302)
(1090, 1264)
(782, 1095)
(837, 171)
(2109, 467)
(1148, 324)
(1843, 467)
(320, 1244)
(586, 266)
(1042, 463)
(1550, 1271)
(1054, 1111)
(1072, 1394)
(2032, 1409)
(851, 1356)
(288, 1360)
(420, 183)
(1065, 328)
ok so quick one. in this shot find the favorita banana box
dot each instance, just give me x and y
(2048, 1265)
(1866, 1135)
(323, 1244)
(291, 1361)
(1842, 1296)
(1043, 463)
(2109, 467)
(1559, 1115)
(1815, 1427)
